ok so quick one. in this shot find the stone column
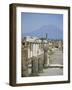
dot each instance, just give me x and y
(48, 60)
(34, 66)
(45, 59)
(40, 64)
(24, 62)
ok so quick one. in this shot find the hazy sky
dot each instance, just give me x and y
(33, 21)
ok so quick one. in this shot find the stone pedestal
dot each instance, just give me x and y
(34, 66)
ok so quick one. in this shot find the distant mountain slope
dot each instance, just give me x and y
(52, 31)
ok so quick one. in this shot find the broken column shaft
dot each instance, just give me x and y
(34, 66)
(24, 62)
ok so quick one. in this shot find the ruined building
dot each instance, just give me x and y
(34, 54)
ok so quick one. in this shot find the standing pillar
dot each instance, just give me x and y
(34, 66)
(40, 64)
(24, 62)
(48, 60)
(45, 59)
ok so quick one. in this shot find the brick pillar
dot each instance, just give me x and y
(24, 62)
(34, 66)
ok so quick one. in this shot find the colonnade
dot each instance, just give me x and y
(38, 62)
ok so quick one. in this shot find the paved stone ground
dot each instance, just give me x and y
(52, 72)
(57, 57)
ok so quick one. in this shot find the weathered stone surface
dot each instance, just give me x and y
(24, 71)
(34, 66)
(24, 62)
(45, 59)
(40, 64)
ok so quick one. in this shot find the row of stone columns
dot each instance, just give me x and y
(37, 63)
(37, 66)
